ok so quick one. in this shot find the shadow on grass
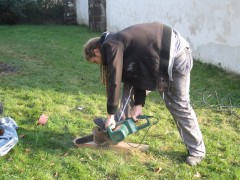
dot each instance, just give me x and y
(177, 157)
(43, 139)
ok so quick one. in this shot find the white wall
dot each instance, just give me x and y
(82, 12)
(211, 26)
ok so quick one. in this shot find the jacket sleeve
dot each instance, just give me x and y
(139, 96)
(114, 59)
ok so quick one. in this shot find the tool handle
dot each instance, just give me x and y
(140, 117)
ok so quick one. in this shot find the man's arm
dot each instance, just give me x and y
(139, 96)
(114, 59)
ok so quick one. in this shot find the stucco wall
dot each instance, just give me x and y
(211, 27)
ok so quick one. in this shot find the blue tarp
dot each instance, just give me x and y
(9, 138)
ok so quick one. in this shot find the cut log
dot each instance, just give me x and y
(120, 146)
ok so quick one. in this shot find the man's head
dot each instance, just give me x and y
(92, 50)
(92, 54)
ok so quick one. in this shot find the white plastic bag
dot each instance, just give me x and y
(9, 138)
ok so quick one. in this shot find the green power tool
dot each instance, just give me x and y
(126, 127)
(103, 136)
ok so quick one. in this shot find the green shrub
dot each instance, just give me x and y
(31, 11)
(11, 11)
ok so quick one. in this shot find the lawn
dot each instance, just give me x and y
(42, 71)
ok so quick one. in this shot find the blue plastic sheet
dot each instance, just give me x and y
(9, 138)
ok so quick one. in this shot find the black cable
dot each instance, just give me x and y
(144, 135)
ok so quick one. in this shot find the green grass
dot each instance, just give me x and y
(53, 78)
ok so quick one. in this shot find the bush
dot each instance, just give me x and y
(31, 11)
(11, 11)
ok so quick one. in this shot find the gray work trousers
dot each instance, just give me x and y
(177, 100)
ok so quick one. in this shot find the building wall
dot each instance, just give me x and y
(211, 27)
(82, 12)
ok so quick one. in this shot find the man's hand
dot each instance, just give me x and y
(137, 110)
(110, 121)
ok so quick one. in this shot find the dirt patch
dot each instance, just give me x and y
(7, 68)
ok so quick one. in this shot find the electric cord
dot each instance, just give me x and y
(145, 135)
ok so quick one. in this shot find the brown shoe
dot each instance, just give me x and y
(194, 160)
